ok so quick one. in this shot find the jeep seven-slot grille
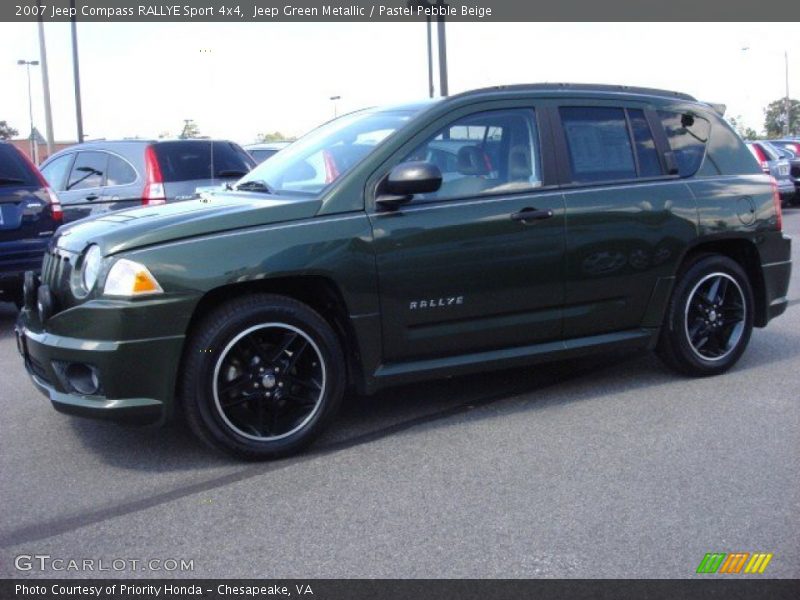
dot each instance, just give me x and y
(56, 271)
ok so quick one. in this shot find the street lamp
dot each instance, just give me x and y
(335, 99)
(28, 64)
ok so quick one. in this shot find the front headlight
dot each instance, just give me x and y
(92, 261)
(128, 278)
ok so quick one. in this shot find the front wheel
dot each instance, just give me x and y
(709, 318)
(263, 375)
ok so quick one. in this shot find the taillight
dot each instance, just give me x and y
(331, 170)
(55, 205)
(154, 183)
(762, 158)
(776, 202)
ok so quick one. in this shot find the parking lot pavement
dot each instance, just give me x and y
(609, 467)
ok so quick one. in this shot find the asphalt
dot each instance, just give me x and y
(603, 467)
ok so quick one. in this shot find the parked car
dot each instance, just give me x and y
(775, 165)
(29, 215)
(100, 176)
(609, 218)
(787, 152)
(789, 144)
(261, 152)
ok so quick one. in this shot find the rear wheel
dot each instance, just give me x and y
(262, 376)
(709, 318)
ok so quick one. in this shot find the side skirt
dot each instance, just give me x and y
(434, 368)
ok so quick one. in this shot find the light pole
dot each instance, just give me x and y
(335, 100)
(28, 64)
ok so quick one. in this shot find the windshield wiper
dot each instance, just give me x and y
(11, 180)
(255, 185)
(232, 173)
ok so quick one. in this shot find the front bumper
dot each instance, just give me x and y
(136, 373)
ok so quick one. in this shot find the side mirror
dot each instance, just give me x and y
(407, 179)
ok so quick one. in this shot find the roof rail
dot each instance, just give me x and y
(589, 87)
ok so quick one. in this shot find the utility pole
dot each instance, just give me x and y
(76, 73)
(335, 100)
(786, 103)
(48, 114)
(442, 52)
(27, 64)
(430, 57)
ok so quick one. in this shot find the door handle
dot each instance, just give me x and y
(91, 197)
(531, 214)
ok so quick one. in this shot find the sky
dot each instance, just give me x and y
(236, 80)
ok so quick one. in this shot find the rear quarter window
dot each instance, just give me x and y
(687, 135)
(13, 168)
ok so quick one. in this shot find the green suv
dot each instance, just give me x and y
(491, 229)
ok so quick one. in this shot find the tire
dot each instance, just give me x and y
(262, 377)
(707, 329)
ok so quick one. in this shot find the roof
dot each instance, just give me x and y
(580, 87)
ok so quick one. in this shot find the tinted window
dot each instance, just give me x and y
(89, 171)
(185, 161)
(646, 153)
(55, 172)
(262, 155)
(13, 169)
(486, 153)
(598, 143)
(119, 171)
(687, 135)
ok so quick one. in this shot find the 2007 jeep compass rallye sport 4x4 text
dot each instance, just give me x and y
(490, 229)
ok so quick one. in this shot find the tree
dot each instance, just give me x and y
(747, 133)
(775, 117)
(6, 131)
(190, 130)
(275, 136)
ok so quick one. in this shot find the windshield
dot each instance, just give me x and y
(321, 157)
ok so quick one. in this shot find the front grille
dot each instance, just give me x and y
(56, 272)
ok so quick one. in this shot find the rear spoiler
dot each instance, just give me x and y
(718, 108)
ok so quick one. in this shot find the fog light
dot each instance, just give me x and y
(82, 378)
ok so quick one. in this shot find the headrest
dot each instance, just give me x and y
(471, 161)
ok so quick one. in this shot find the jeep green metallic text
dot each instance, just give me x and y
(491, 229)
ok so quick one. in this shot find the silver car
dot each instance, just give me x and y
(100, 176)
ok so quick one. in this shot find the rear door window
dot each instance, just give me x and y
(13, 169)
(191, 160)
(89, 171)
(687, 135)
(598, 144)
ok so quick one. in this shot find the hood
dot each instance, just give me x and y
(128, 229)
